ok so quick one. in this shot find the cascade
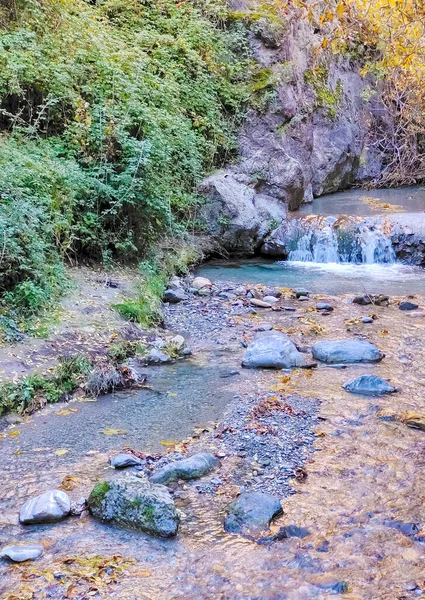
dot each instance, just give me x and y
(339, 241)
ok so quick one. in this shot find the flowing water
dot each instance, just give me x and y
(362, 500)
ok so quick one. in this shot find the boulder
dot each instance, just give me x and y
(408, 305)
(200, 282)
(46, 508)
(18, 553)
(346, 351)
(273, 351)
(135, 503)
(252, 513)
(235, 214)
(369, 385)
(193, 467)
(175, 295)
(121, 461)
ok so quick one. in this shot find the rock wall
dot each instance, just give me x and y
(311, 139)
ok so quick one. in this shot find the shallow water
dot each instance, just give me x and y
(365, 203)
(326, 278)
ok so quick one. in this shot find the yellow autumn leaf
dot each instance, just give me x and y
(111, 431)
(61, 451)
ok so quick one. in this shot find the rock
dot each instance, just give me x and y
(135, 503)
(240, 291)
(299, 292)
(200, 282)
(121, 461)
(270, 299)
(408, 305)
(155, 356)
(227, 295)
(178, 342)
(173, 296)
(252, 513)
(346, 351)
(378, 300)
(264, 327)
(78, 507)
(274, 351)
(18, 553)
(276, 293)
(205, 291)
(303, 298)
(324, 306)
(175, 283)
(46, 508)
(193, 467)
(236, 214)
(369, 385)
(284, 533)
(367, 320)
(259, 303)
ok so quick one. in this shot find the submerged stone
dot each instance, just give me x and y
(18, 553)
(408, 306)
(346, 351)
(46, 508)
(273, 351)
(252, 513)
(135, 503)
(369, 385)
(193, 467)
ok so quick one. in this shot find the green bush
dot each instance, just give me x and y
(111, 112)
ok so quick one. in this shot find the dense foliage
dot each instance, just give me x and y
(110, 113)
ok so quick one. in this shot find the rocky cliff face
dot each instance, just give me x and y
(311, 139)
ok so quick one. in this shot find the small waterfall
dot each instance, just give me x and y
(340, 240)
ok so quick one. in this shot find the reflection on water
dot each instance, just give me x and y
(364, 203)
(323, 278)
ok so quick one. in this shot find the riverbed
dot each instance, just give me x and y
(360, 494)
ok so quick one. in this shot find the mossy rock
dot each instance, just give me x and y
(133, 502)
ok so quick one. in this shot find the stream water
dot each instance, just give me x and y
(362, 500)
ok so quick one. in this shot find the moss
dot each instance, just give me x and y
(148, 513)
(98, 493)
(326, 98)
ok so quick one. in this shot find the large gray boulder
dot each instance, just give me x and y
(135, 503)
(369, 385)
(46, 508)
(346, 351)
(193, 467)
(252, 513)
(272, 351)
(235, 214)
(20, 553)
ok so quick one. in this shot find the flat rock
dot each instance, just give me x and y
(174, 295)
(408, 305)
(200, 282)
(135, 503)
(324, 306)
(369, 385)
(193, 467)
(273, 351)
(46, 508)
(121, 461)
(18, 553)
(346, 351)
(260, 303)
(252, 513)
(367, 320)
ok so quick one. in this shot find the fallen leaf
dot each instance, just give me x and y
(111, 431)
(61, 451)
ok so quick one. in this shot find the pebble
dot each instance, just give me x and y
(324, 306)
(260, 303)
(408, 305)
(367, 320)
